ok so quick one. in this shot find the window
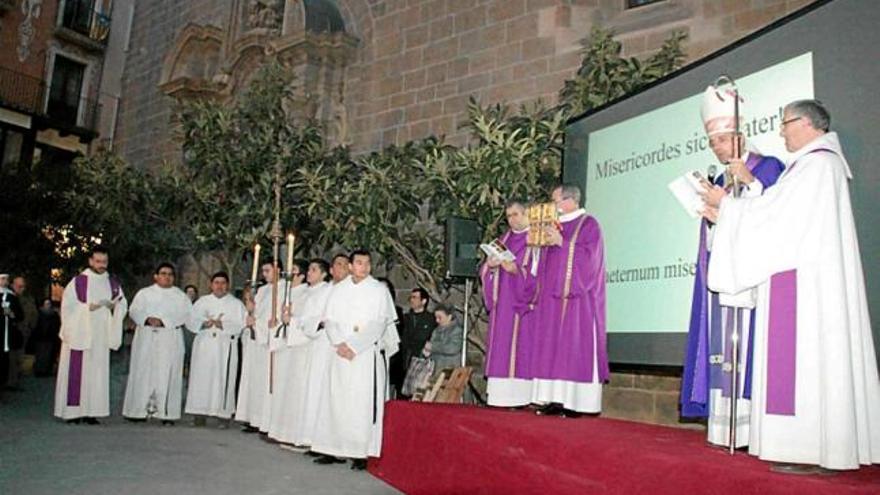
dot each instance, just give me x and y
(631, 4)
(87, 17)
(65, 90)
(11, 144)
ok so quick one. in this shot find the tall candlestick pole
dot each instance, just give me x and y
(290, 239)
(256, 266)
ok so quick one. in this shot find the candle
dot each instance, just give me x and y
(256, 265)
(290, 239)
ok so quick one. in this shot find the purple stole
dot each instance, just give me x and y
(74, 373)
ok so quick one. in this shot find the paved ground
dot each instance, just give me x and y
(41, 455)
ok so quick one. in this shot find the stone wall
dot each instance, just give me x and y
(418, 61)
(644, 396)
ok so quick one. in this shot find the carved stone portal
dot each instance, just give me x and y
(207, 61)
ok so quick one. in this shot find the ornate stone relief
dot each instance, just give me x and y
(31, 10)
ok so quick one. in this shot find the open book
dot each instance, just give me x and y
(497, 249)
(686, 190)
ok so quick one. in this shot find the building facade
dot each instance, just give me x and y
(51, 73)
(382, 72)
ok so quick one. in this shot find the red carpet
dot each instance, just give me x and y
(448, 449)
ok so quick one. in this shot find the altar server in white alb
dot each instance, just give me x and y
(360, 322)
(290, 355)
(155, 379)
(254, 396)
(92, 311)
(320, 351)
(217, 320)
(815, 388)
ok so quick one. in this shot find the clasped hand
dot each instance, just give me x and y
(553, 236)
(104, 303)
(154, 322)
(344, 351)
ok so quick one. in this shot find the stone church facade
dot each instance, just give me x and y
(383, 72)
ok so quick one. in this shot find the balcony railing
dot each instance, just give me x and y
(80, 16)
(25, 93)
(20, 91)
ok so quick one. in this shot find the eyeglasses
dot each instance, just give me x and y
(789, 121)
(169, 274)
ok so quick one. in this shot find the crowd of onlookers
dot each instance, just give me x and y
(29, 327)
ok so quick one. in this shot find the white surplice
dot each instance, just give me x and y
(155, 377)
(214, 362)
(289, 372)
(318, 353)
(805, 223)
(350, 412)
(94, 333)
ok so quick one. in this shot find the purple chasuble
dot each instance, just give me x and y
(699, 375)
(509, 299)
(570, 327)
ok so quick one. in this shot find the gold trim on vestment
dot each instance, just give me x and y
(511, 367)
(569, 267)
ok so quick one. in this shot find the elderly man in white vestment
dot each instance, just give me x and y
(288, 346)
(155, 377)
(359, 320)
(93, 308)
(254, 396)
(815, 389)
(217, 320)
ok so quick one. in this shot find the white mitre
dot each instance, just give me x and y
(718, 110)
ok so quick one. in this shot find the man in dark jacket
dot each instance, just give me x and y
(415, 330)
(10, 315)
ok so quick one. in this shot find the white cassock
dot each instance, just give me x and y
(82, 388)
(289, 362)
(214, 362)
(155, 377)
(350, 412)
(253, 388)
(317, 353)
(815, 388)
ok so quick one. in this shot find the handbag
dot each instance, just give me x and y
(417, 375)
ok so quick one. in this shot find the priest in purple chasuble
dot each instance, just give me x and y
(569, 359)
(706, 385)
(509, 294)
(93, 308)
(815, 388)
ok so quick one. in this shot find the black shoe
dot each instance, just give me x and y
(552, 409)
(328, 459)
(311, 453)
(91, 421)
(167, 422)
(358, 464)
(568, 413)
(136, 420)
(249, 429)
(74, 421)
